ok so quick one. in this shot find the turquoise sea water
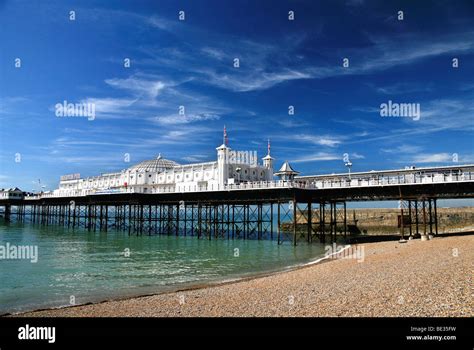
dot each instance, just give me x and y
(94, 266)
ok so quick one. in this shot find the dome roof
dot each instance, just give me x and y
(157, 165)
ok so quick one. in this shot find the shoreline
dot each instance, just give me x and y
(395, 279)
(191, 286)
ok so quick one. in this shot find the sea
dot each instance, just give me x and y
(73, 267)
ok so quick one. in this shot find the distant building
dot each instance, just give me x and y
(164, 175)
(11, 193)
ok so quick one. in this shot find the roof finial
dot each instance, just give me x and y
(268, 147)
(225, 137)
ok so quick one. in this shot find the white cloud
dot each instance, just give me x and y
(264, 66)
(159, 22)
(185, 119)
(138, 87)
(433, 158)
(403, 149)
(319, 156)
(403, 88)
(194, 158)
(252, 80)
(443, 157)
(110, 107)
(323, 140)
(215, 53)
(356, 155)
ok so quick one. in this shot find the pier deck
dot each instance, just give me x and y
(254, 212)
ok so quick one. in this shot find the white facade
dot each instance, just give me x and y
(162, 175)
(11, 193)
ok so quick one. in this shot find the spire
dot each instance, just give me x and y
(268, 156)
(225, 140)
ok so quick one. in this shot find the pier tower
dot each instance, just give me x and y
(222, 161)
(268, 163)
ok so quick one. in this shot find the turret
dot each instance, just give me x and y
(222, 160)
(268, 163)
(286, 172)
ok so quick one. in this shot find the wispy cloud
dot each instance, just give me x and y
(438, 158)
(291, 123)
(175, 119)
(356, 155)
(432, 158)
(195, 158)
(264, 65)
(110, 107)
(409, 48)
(322, 140)
(138, 87)
(326, 156)
(257, 73)
(318, 156)
(403, 88)
(403, 149)
(252, 80)
(437, 115)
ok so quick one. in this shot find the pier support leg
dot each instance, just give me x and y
(410, 219)
(417, 221)
(345, 220)
(294, 221)
(8, 211)
(424, 236)
(309, 223)
(278, 223)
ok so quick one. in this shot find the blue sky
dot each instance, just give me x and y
(190, 63)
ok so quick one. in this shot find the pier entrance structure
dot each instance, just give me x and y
(303, 209)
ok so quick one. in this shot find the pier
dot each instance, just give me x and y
(303, 210)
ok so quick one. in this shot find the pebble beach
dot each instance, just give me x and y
(430, 278)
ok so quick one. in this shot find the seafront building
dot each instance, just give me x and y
(163, 175)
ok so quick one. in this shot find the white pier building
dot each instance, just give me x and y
(162, 175)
